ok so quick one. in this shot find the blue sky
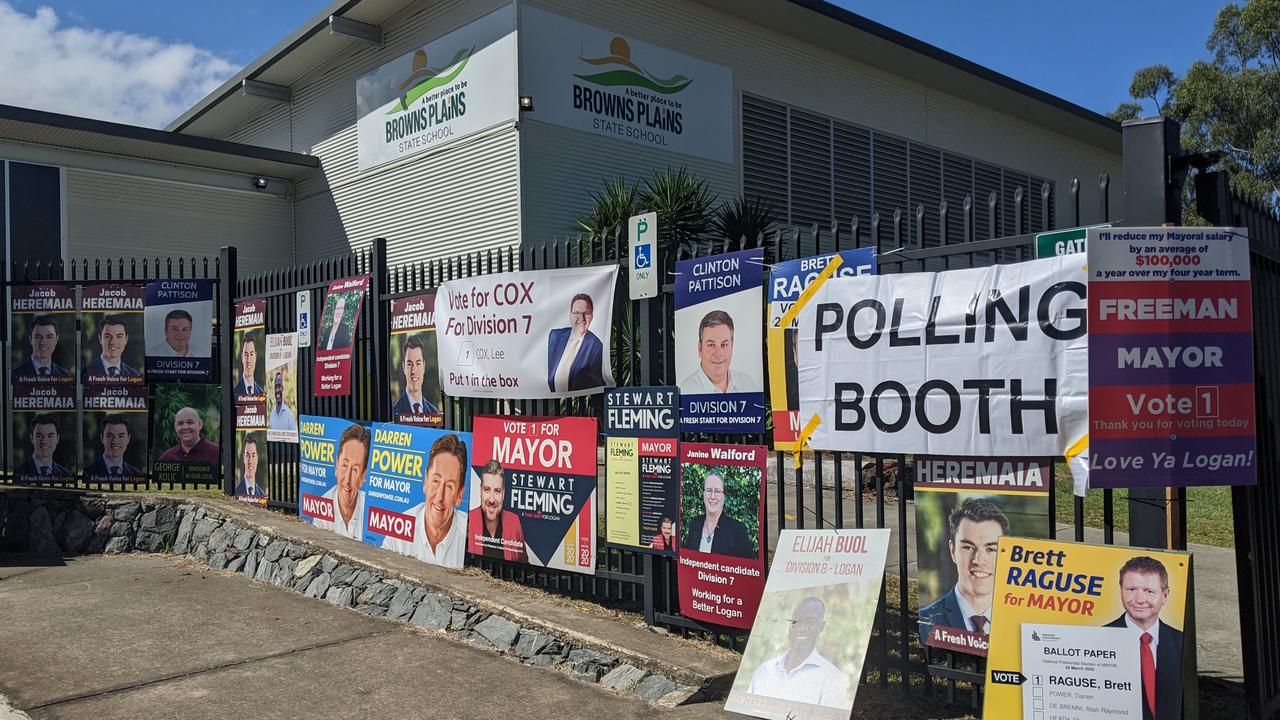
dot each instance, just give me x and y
(1084, 51)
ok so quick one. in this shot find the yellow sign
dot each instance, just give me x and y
(1140, 594)
(622, 499)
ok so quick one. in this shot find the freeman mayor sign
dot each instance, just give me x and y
(607, 84)
(454, 86)
(988, 361)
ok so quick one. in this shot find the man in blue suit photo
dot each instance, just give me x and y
(1144, 590)
(413, 366)
(975, 530)
(110, 464)
(575, 356)
(113, 336)
(43, 338)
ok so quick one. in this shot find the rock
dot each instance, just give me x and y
(499, 631)
(147, 521)
(183, 543)
(165, 518)
(328, 564)
(681, 695)
(203, 530)
(274, 551)
(377, 594)
(150, 541)
(582, 655)
(126, 511)
(458, 619)
(402, 604)
(342, 574)
(217, 541)
(653, 687)
(40, 539)
(118, 545)
(361, 578)
(531, 643)
(266, 571)
(372, 610)
(251, 563)
(305, 565)
(120, 529)
(235, 564)
(623, 677)
(218, 561)
(76, 531)
(542, 661)
(340, 596)
(243, 539)
(283, 576)
(319, 586)
(300, 584)
(435, 612)
(294, 551)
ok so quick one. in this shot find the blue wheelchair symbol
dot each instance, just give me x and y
(642, 259)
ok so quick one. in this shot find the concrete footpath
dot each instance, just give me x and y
(147, 636)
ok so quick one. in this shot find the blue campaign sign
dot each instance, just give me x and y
(419, 480)
(334, 456)
(719, 329)
(178, 325)
(787, 280)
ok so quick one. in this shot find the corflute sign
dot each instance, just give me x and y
(607, 84)
(451, 87)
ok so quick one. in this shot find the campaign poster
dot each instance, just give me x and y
(334, 347)
(527, 335)
(721, 560)
(44, 433)
(114, 429)
(1171, 379)
(964, 505)
(642, 494)
(787, 282)
(415, 371)
(988, 362)
(111, 335)
(251, 452)
(333, 464)
(282, 387)
(178, 320)
(43, 323)
(187, 419)
(250, 350)
(1132, 600)
(817, 612)
(535, 498)
(719, 327)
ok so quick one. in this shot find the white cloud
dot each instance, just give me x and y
(98, 73)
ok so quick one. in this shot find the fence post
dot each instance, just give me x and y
(378, 337)
(227, 290)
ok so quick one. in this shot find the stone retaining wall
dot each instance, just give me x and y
(52, 522)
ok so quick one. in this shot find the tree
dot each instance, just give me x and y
(1230, 103)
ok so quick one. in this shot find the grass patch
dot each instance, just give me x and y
(1209, 518)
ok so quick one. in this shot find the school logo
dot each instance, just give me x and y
(625, 72)
(423, 78)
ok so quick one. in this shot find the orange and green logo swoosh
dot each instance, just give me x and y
(424, 79)
(630, 74)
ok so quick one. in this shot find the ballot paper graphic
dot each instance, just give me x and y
(1075, 672)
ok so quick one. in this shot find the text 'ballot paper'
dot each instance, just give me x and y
(1073, 671)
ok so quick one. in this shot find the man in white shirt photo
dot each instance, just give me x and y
(177, 336)
(440, 530)
(801, 674)
(715, 358)
(347, 493)
(282, 417)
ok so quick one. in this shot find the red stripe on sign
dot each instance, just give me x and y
(390, 523)
(786, 425)
(658, 447)
(1185, 411)
(317, 507)
(1161, 307)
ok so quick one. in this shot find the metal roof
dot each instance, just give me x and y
(815, 21)
(68, 131)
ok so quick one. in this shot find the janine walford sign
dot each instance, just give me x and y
(456, 85)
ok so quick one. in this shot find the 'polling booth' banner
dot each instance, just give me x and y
(416, 493)
(111, 335)
(720, 565)
(986, 362)
(333, 463)
(114, 433)
(249, 346)
(338, 323)
(810, 637)
(1087, 626)
(187, 421)
(787, 283)
(718, 327)
(641, 491)
(415, 369)
(251, 452)
(1171, 380)
(43, 325)
(282, 387)
(964, 505)
(536, 495)
(527, 335)
(178, 319)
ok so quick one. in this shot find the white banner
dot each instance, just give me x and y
(282, 387)
(536, 334)
(604, 83)
(988, 361)
(456, 85)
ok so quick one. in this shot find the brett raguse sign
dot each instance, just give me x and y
(989, 361)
